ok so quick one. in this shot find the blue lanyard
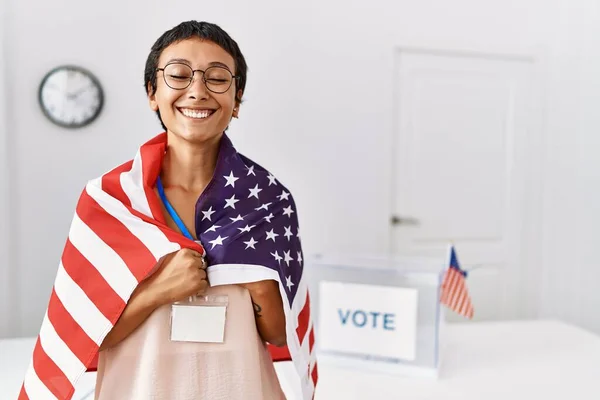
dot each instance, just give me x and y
(171, 210)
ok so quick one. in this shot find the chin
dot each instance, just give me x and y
(197, 135)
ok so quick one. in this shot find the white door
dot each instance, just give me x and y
(466, 170)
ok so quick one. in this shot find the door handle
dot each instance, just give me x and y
(397, 220)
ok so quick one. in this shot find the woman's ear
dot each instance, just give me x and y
(152, 98)
(238, 101)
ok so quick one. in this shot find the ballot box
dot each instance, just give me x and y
(379, 313)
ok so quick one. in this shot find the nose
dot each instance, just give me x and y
(197, 89)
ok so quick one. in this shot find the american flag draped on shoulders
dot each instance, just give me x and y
(454, 292)
(248, 226)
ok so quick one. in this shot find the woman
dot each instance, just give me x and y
(195, 113)
(174, 328)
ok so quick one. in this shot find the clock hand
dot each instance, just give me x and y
(77, 93)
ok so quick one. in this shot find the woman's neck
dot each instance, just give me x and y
(188, 166)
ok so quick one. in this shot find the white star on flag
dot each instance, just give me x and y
(250, 243)
(217, 242)
(272, 235)
(264, 207)
(288, 232)
(284, 196)
(230, 180)
(212, 228)
(269, 217)
(271, 180)
(299, 257)
(277, 256)
(288, 258)
(231, 202)
(236, 219)
(254, 192)
(246, 228)
(288, 282)
(251, 171)
(207, 214)
(288, 211)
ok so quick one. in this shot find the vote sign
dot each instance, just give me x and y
(368, 319)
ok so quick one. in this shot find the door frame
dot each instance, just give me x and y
(529, 271)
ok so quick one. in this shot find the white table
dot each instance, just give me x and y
(500, 360)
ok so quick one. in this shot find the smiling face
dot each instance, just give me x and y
(195, 113)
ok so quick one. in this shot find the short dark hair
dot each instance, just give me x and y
(195, 29)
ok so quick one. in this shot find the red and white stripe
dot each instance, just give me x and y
(454, 293)
(116, 238)
(301, 340)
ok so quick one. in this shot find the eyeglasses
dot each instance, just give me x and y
(180, 76)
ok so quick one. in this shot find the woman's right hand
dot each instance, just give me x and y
(180, 275)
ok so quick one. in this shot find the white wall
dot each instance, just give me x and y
(587, 298)
(572, 278)
(5, 271)
(313, 116)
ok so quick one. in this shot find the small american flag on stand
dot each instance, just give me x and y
(454, 292)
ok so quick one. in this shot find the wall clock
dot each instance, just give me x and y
(71, 96)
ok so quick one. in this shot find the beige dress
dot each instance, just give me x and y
(148, 366)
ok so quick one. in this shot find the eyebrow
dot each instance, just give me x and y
(178, 60)
(218, 64)
(211, 64)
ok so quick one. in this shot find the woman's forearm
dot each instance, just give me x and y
(268, 311)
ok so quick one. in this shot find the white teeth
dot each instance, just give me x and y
(195, 114)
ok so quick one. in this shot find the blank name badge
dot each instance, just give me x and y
(199, 319)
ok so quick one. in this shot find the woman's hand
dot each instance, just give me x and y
(178, 276)
(181, 274)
